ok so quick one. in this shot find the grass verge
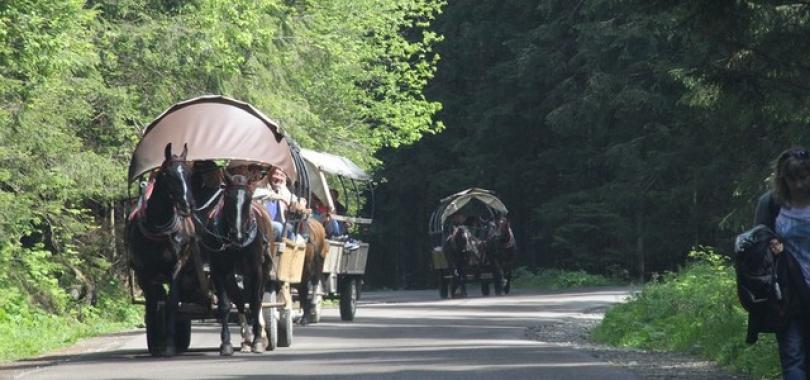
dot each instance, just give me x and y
(27, 331)
(695, 311)
(557, 279)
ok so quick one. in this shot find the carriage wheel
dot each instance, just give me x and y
(182, 335)
(484, 287)
(317, 300)
(444, 286)
(155, 321)
(348, 299)
(285, 328)
(270, 315)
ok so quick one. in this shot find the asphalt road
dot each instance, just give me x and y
(396, 335)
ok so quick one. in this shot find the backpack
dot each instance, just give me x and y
(756, 268)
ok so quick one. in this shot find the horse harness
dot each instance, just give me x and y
(215, 218)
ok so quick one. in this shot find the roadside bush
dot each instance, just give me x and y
(695, 311)
(27, 330)
(557, 279)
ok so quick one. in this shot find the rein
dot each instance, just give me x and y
(216, 232)
(210, 201)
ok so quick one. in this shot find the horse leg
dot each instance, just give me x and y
(497, 274)
(244, 331)
(223, 307)
(462, 278)
(255, 286)
(508, 273)
(171, 311)
(303, 297)
(154, 319)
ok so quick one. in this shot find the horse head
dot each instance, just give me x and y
(460, 240)
(237, 218)
(499, 230)
(174, 175)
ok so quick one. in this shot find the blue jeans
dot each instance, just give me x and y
(332, 228)
(278, 228)
(794, 342)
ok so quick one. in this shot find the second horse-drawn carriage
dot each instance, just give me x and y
(197, 243)
(472, 240)
(343, 268)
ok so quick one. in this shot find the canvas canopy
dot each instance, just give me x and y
(319, 163)
(214, 128)
(465, 199)
(332, 164)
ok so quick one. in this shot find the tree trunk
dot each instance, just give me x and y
(640, 243)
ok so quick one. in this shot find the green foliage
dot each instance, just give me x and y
(695, 310)
(80, 79)
(558, 279)
(617, 133)
(27, 330)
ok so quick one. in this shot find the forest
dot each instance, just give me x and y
(79, 81)
(620, 134)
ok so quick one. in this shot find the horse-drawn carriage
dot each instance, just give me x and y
(345, 264)
(193, 248)
(472, 240)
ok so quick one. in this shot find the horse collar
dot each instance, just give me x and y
(159, 233)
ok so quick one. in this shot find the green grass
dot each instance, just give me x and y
(557, 279)
(27, 331)
(694, 311)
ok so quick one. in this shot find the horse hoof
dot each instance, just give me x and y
(225, 349)
(169, 352)
(258, 347)
(245, 347)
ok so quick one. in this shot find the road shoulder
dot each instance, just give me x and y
(575, 333)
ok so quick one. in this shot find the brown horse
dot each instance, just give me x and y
(501, 247)
(161, 239)
(311, 276)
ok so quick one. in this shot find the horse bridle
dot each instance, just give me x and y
(452, 239)
(172, 197)
(225, 241)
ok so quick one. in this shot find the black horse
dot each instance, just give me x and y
(161, 237)
(500, 250)
(236, 242)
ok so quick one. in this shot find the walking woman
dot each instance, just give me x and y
(786, 210)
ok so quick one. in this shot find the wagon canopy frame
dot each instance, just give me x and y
(214, 127)
(458, 201)
(319, 164)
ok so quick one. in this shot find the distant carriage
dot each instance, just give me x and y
(164, 242)
(472, 240)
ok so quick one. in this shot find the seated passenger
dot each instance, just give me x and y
(341, 228)
(458, 219)
(319, 209)
(321, 212)
(278, 199)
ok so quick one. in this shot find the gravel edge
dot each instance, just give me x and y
(576, 332)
